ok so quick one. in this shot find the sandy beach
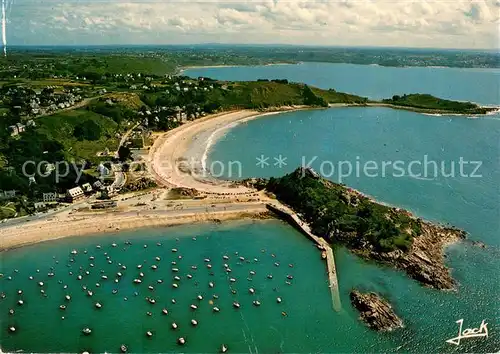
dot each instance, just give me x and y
(87, 223)
(178, 157)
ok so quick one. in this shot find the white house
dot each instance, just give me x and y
(75, 194)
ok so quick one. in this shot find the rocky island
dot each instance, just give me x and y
(375, 311)
(374, 231)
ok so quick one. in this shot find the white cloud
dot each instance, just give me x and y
(430, 23)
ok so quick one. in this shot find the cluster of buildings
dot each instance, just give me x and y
(37, 102)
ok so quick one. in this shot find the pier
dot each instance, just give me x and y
(290, 216)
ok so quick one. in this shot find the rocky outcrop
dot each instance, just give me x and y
(425, 261)
(375, 311)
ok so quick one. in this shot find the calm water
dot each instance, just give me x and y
(476, 85)
(352, 134)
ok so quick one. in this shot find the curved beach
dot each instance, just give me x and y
(178, 157)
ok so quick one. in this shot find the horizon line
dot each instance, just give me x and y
(497, 50)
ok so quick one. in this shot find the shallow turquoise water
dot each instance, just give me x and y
(310, 324)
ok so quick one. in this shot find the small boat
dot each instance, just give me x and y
(174, 250)
(251, 291)
(256, 302)
(278, 300)
(164, 311)
(98, 305)
(194, 322)
(87, 331)
(252, 272)
(104, 277)
(40, 283)
(62, 307)
(177, 278)
(181, 341)
(12, 329)
(199, 297)
(174, 325)
(123, 348)
(225, 257)
(269, 276)
(207, 260)
(211, 284)
(175, 285)
(154, 267)
(189, 276)
(223, 349)
(158, 259)
(175, 270)
(232, 280)
(209, 266)
(194, 267)
(139, 266)
(289, 276)
(152, 301)
(236, 305)
(151, 288)
(11, 311)
(141, 275)
(323, 255)
(159, 281)
(149, 333)
(193, 307)
(20, 302)
(216, 309)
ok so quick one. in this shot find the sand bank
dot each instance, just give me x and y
(87, 224)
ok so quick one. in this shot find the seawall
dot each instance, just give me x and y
(291, 217)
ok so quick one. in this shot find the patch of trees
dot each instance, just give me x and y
(337, 214)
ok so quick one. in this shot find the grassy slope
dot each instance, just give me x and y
(263, 94)
(60, 127)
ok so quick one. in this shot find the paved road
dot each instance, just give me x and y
(41, 216)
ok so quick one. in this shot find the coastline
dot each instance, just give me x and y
(180, 70)
(178, 159)
(93, 223)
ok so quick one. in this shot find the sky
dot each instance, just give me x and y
(399, 23)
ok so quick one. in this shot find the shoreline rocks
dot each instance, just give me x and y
(375, 311)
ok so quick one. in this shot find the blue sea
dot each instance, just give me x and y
(328, 140)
